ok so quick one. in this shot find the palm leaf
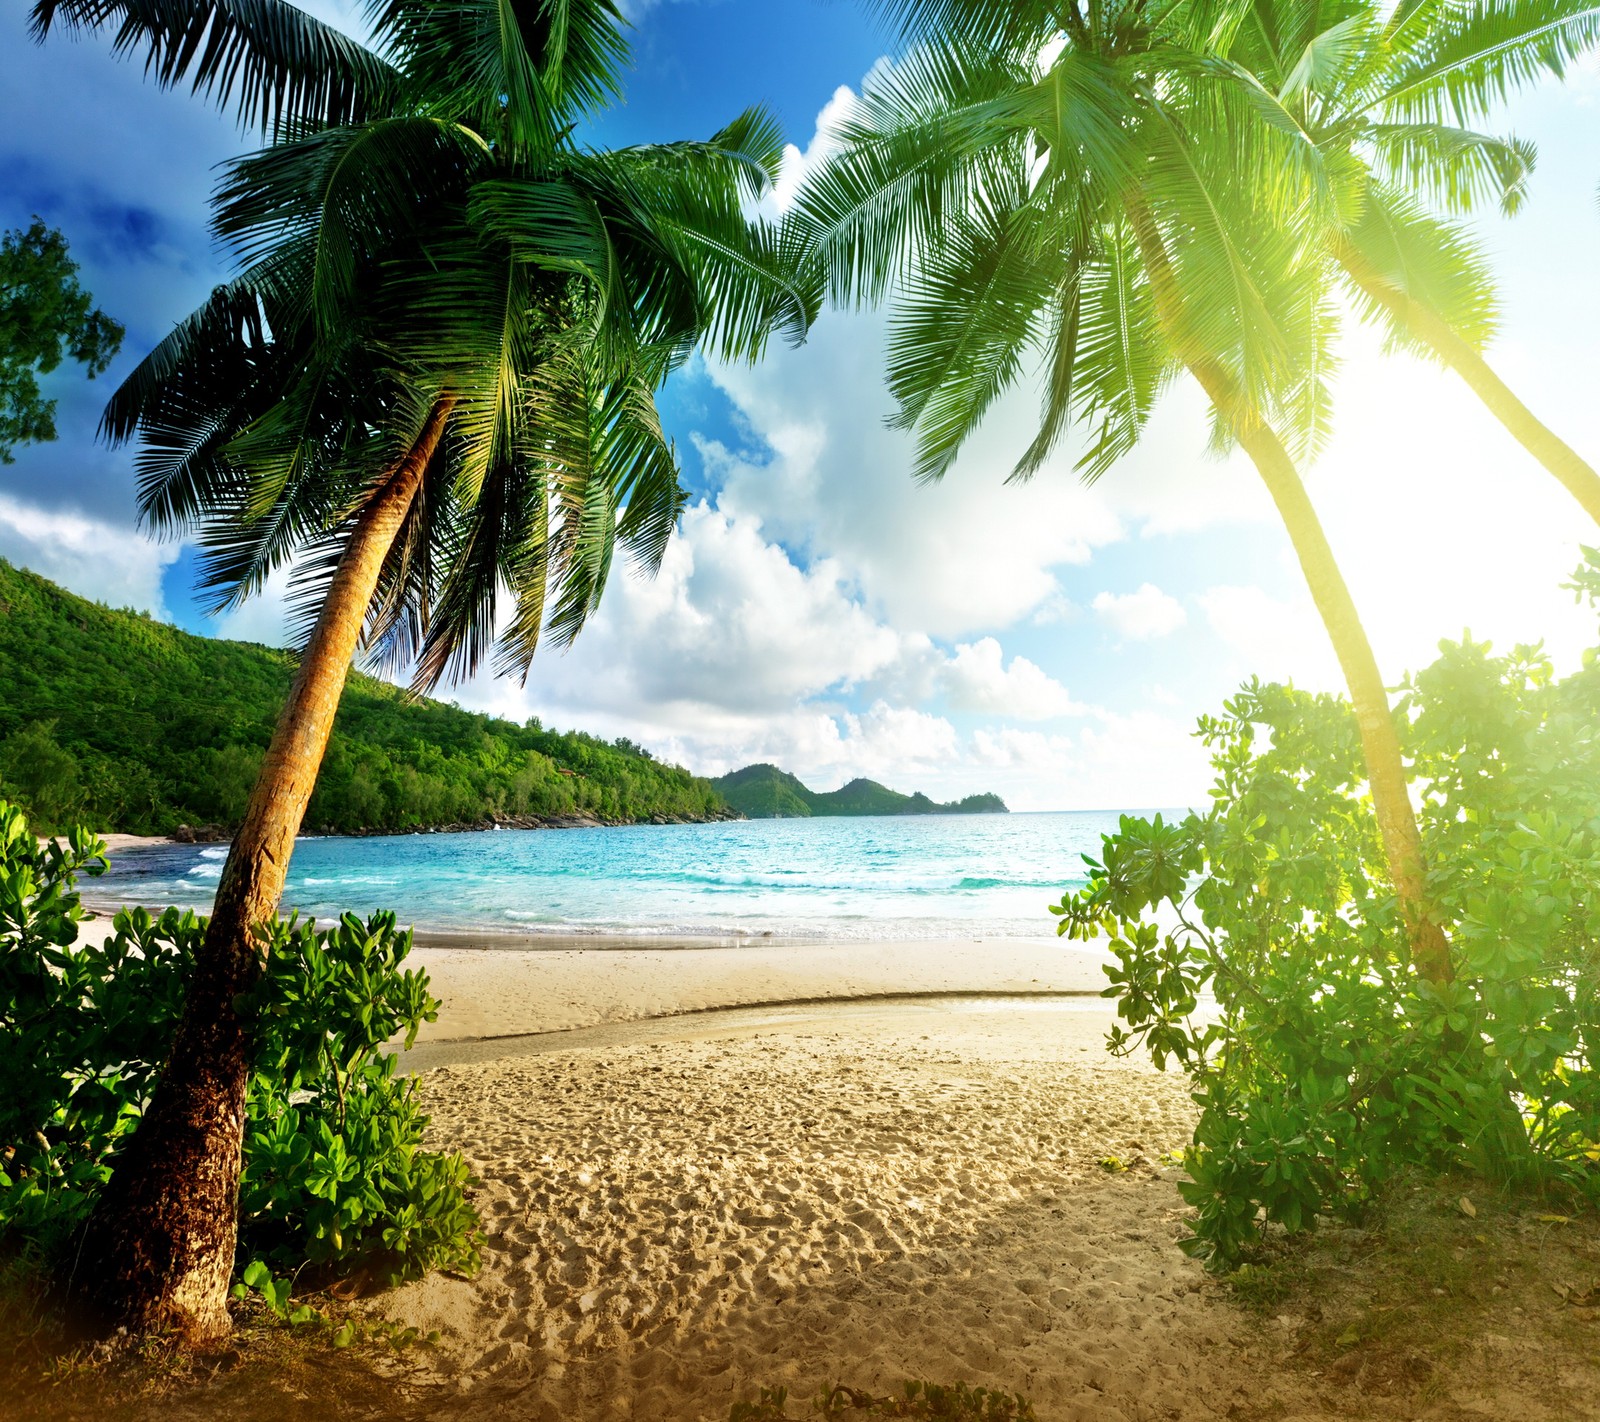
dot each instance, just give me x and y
(272, 64)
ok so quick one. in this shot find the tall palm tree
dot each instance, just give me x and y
(1388, 93)
(1086, 182)
(431, 383)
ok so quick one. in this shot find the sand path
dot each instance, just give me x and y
(802, 1196)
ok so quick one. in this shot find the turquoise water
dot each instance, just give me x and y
(879, 877)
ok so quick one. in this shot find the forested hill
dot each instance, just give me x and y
(763, 792)
(119, 721)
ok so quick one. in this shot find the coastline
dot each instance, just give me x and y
(221, 834)
(493, 986)
(489, 993)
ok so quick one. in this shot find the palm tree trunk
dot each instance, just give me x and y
(1380, 741)
(1428, 326)
(159, 1250)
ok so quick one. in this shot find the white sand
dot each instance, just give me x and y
(861, 1196)
(498, 992)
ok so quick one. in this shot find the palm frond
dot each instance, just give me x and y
(995, 24)
(1437, 264)
(271, 64)
(920, 146)
(958, 338)
(518, 71)
(1454, 166)
(1462, 58)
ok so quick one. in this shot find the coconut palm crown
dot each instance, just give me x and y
(430, 385)
(1093, 191)
(404, 239)
(1392, 95)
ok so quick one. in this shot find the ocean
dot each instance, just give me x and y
(888, 877)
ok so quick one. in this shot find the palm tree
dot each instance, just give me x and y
(1086, 183)
(1387, 93)
(431, 383)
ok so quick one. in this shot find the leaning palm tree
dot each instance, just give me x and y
(1089, 185)
(430, 385)
(1389, 94)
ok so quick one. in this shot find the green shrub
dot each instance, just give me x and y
(1259, 946)
(334, 1175)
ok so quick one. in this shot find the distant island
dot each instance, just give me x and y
(763, 792)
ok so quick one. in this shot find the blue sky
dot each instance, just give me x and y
(818, 609)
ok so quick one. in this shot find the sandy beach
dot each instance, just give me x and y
(801, 1196)
(500, 989)
(863, 1187)
(681, 1212)
(709, 1170)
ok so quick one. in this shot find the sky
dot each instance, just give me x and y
(818, 609)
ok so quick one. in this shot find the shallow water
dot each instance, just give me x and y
(885, 877)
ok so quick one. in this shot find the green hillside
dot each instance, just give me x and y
(763, 792)
(119, 721)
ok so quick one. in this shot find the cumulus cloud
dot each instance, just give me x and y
(730, 621)
(799, 163)
(977, 679)
(735, 653)
(1144, 760)
(93, 558)
(1143, 614)
(825, 476)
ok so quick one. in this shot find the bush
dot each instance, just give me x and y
(1260, 949)
(334, 1176)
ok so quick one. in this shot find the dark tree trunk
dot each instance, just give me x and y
(159, 1251)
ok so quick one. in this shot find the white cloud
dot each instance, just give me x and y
(98, 560)
(967, 555)
(729, 622)
(736, 654)
(1141, 615)
(799, 164)
(977, 679)
(1277, 639)
(1145, 760)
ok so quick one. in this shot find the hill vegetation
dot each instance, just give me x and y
(763, 792)
(126, 723)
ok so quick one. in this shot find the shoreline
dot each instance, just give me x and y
(116, 840)
(491, 989)
(487, 994)
(217, 834)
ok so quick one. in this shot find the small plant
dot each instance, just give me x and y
(1259, 947)
(256, 1279)
(335, 1182)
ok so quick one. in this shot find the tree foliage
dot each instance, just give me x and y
(997, 174)
(335, 1179)
(1259, 947)
(424, 235)
(45, 317)
(113, 719)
